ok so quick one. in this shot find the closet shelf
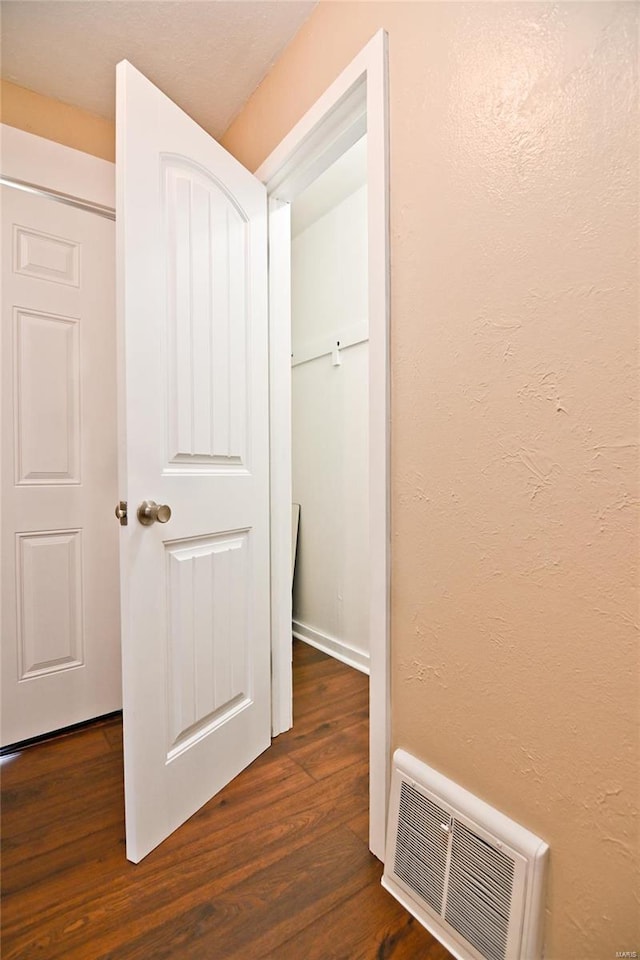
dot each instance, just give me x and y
(323, 347)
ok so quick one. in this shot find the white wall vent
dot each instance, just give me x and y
(469, 874)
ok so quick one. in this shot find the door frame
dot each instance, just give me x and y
(355, 103)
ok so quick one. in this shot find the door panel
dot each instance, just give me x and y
(194, 435)
(206, 280)
(46, 397)
(49, 592)
(208, 598)
(60, 612)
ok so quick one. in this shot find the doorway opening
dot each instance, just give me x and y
(354, 105)
(329, 409)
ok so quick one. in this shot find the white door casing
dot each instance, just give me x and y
(193, 425)
(357, 101)
(60, 611)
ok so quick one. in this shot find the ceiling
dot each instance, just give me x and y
(207, 55)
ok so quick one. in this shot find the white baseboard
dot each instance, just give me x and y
(331, 646)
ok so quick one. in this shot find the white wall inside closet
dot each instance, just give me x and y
(330, 409)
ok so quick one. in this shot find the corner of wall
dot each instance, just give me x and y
(57, 121)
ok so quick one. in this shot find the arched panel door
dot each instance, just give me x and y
(193, 425)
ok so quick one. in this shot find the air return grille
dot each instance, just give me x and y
(421, 844)
(473, 877)
(479, 892)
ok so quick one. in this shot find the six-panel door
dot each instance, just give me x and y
(60, 595)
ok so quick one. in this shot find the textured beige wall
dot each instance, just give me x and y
(56, 121)
(514, 189)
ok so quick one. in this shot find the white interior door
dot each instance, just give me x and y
(60, 617)
(192, 289)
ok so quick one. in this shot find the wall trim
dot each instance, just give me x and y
(331, 645)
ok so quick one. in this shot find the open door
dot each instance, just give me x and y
(193, 423)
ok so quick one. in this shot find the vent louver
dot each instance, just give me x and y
(421, 851)
(473, 877)
(479, 893)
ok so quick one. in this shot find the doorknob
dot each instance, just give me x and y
(149, 511)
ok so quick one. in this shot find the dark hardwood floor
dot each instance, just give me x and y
(276, 866)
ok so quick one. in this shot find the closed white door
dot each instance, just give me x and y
(60, 594)
(192, 289)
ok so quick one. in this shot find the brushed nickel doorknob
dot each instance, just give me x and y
(149, 511)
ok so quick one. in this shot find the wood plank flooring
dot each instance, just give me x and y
(276, 866)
